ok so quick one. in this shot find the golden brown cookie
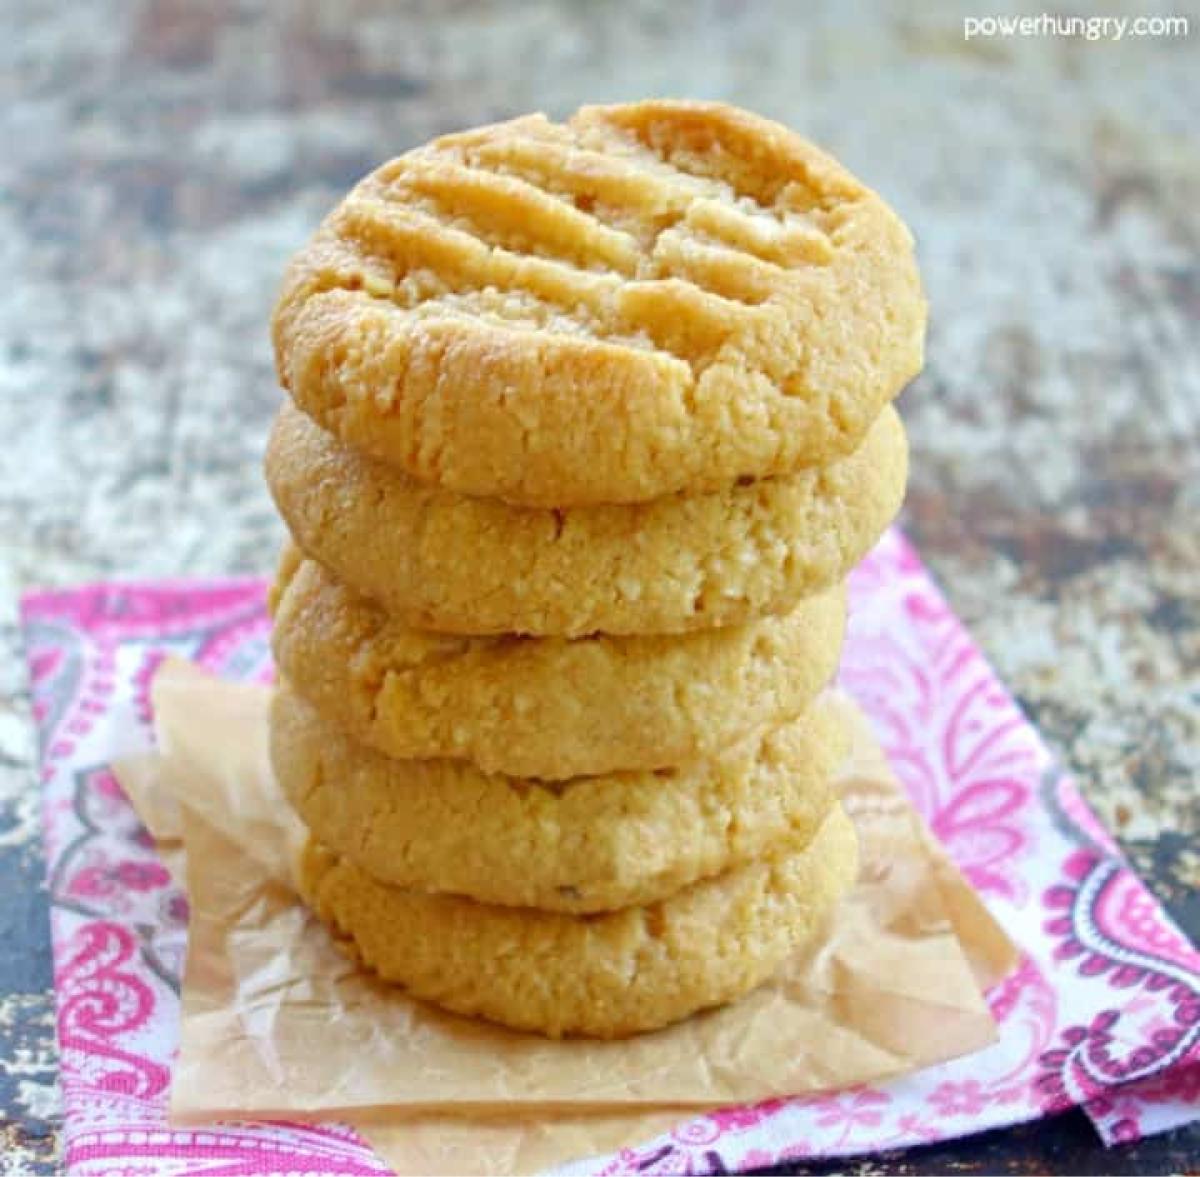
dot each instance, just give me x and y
(548, 707)
(604, 976)
(448, 562)
(648, 298)
(590, 844)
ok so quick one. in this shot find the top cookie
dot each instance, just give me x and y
(645, 299)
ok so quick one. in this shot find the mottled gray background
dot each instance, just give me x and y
(161, 159)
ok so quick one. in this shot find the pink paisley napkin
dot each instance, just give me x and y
(1103, 1012)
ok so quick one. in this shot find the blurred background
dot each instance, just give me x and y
(163, 158)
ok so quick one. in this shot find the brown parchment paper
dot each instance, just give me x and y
(275, 1021)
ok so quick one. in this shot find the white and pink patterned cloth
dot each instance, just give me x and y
(1103, 1012)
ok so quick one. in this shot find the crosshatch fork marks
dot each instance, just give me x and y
(541, 231)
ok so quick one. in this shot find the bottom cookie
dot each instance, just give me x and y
(603, 976)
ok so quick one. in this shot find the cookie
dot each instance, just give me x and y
(648, 298)
(591, 844)
(548, 707)
(603, 976)
(448, 562)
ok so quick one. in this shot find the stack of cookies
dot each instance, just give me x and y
(588, 423)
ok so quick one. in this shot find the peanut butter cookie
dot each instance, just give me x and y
(547, 707)
(645, 299)
(584, 845)
(449, 562)
(604, 976)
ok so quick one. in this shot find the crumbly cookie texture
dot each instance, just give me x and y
(591, 844)
(645, 299)
(548, 707)
(605, 976)
(449, 562)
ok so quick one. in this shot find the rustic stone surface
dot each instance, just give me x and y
(162, 159)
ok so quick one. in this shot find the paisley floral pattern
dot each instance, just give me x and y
(118, 922)
(1104, 1010)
